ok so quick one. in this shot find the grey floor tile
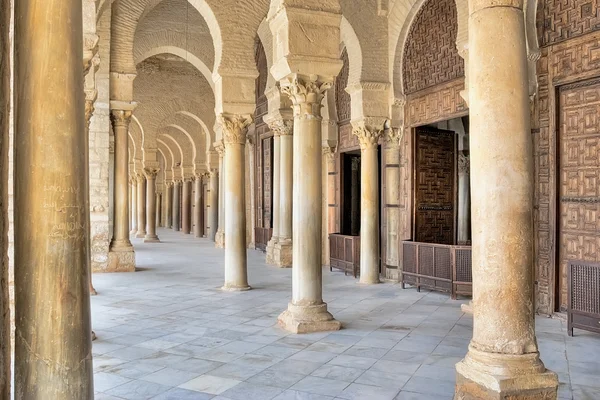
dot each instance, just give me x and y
(313, 384)
(138, 390)
(357, 391)
(337, 372)
(251, 391)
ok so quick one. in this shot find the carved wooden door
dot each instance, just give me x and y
(435, 183)
(579, 179)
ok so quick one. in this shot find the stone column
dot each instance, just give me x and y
(133, 204)
(275, 192)
(159, 198)
(176, 209)
(169, 206)
(213, 207)
(121, 256)
(283, 247)
(141, 206)
(307, 312)
(331, 192)
(355, 196)
(503, 359)
(198, 212)
(186, 206)
(53, 348)
(234, 193)
(220, 235)
(368, 138)
(395, 139)
(464, 199)
(151, 213)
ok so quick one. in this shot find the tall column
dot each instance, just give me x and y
(176, 209)
(169, 206)
(121, 256)
(275, 192)
(464, 199)
(186, 207)
(503, 359)
(133, 204)
(53, 348)
(283, 247)
(220, 235)
(213, 204)
(368, 138)
(151, 213)
(198, 212)
(234, 138)
(307, 312)
(355, 184)
(395, 140)
(159, 198)
(141, 205)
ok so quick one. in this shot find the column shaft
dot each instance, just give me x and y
(307, 312)
(53, 349)
(151, 205)
(275, 190)
(464, 200)
(141, 206)
(169, 206)
(220, 235)
(176, 194)
(158, 210)
(503, 359)
(198, 212)
(234, 133)
(213, 205)
(186, 207)
(283, 247)
(133, 205)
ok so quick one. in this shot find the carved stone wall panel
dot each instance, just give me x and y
(436, 104)
(342, 98)
(430, 54)
(560, 20)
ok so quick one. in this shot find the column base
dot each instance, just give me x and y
(151, 239)
(121, 257)
(220, 239)
(494, 376)
(133, 231)
(270, 258)
(467, 308)
(308, 319)
(140, 234)
(282, 253)
(234, 288)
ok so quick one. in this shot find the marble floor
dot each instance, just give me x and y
(168, 332)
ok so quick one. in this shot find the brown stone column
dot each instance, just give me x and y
(503, 358)
(220, 235)
(307, 312)
(121, 256)
(141, 206)
(133, 204)
(213, 204)
(159, 198)
(89, 111)
(198, 212)
(151, 213)
(234, 138)
(176, 209)
(186, 207)
(53, 348)
(270, 250)
(169, 206)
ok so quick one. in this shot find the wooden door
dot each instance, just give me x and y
(435, 185)
(578, 179)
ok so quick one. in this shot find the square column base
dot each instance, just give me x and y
(140, 235)
(502, 376)
(282, 254)
(151, 239)
(220, 239)
(121, 259)
(308, 319)
(271, 250)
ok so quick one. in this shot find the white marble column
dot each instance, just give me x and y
(283, 247)
(213, 204)
(464, 199)
(307, 312)
(368, 138)
(159, 209)
(186, 206)
(141, 206)
(220, 235)
(133, 204)
(503, 360)
(234, 193)
(275, 193)
(151, 236)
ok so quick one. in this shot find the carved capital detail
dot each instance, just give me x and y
(306, 96)
(329, 152)
(395, 136)
(464, 164)
(151, 172)
(281, 127)
(368, 137)
(120, 117)
(89, 111)
(234, 128)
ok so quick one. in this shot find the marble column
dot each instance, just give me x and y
(186, 206)
(150, 174)
(220, 235)
(213, 204)
(159, 198)
(395, 141)
(198, 212)
(234, 193)
(464, 199)
(176, 202)
(503, 359)
(368, 138)
(141, 206)
(270, 257)
(169, 206)
(283, 247)
(53, 348)
(307, 312)
(133, 204)
(121, 256)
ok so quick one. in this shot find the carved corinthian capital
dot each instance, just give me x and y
(368, 137)
(234, 128)
(395, 136)
(150, 172)
(281, 127)
(120, 117)
(306, 96)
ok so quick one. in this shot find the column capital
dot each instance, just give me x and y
(281, 127)
(464, 163)
(234, 128)
(133, 179)
(219, 147)
(140, 177)
(121, 117)
(151, 172)
(368, 137)
(306, 94)
(329, 152)
(395, 136)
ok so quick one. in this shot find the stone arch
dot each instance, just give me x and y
(209, 137)
(136, 134)
(351, 45)
(342, 98)
(177, 152)
(265, 37)
(195, 151)
(168, 153)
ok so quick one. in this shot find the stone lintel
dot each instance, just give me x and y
(308, 319)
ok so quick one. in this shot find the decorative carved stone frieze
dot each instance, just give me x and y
(306, 96)
(368, 137)
(120, 117)
(151, 172)
(234, 128)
